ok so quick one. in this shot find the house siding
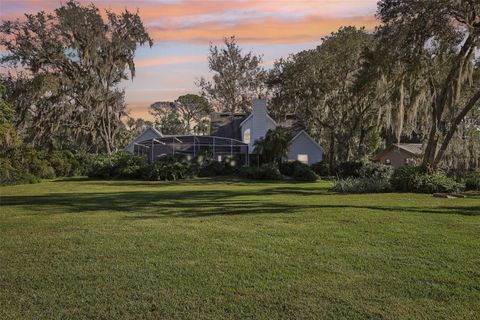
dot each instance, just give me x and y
(397, 157)
(146, 135)
(259, 123)
(304, 145)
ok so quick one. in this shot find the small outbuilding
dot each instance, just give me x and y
(400, 154)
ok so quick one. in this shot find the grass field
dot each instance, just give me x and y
(206, 249)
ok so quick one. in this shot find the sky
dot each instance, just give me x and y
(183, 30)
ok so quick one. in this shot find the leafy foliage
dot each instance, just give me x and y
(264, 172)
(186, 115)
(273, 148)
(472, 182)
(427, 66)
(74, 61)
(361, 185)
(298, 171)
(415, 179)
(322, 87)
(166, 169)
(237, 78)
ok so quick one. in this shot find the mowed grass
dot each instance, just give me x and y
(206, 249)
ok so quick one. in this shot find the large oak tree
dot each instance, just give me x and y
(73, 61)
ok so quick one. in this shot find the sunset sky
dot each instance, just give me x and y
(183, 30)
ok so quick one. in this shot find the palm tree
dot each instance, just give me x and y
(273, 148)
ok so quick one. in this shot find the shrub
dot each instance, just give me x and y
(100, 166)
(414, 179)
(10, 174)
(375, 170)
(264, 172)
(64, 163)
(127, 166)
(165, 170)
(361, 185)
(472, 182)
(438, 182)
(304, 173)
(288, 168)
(37, 164)
(211, 169)
(321, 168)
(349, 169)
(403, 178)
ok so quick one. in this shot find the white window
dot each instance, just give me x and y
(303, 158)
(246, 136)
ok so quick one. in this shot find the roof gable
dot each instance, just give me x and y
(305, 134)
(251, 115)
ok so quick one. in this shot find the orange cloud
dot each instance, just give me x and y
(270, 30)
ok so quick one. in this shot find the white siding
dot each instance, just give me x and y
(258, 122)
(303, 145)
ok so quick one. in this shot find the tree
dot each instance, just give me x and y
(167, 118)
(237, 78)
(323, 87)
(427, 52)
(193, 110)
(186, 115)
(273, 148)
(74, 61)
(9, 137)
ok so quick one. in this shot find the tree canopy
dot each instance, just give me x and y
(72, 63)
(237, 78)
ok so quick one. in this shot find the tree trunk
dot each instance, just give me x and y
(458, 119)
(331, 153)
(361, 143)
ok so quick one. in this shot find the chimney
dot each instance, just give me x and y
(259, 106)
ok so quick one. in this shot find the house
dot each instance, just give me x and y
(148, 134)
(255, 125)
(232, 135)
(400, 154)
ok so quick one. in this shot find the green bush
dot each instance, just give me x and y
(304, 173)
(264, 172)
(414, 179)
(10, 174)
(100, 167)
(212, 169)
(64, 163)
(437, 182)
(127, 166)
(472, 182)
(288, 168)
(361, 185)
(164, 170)
(321, 168)
(403, 178)
(120, 165)
(375, 170)
(349, 169)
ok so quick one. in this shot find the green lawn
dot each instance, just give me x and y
(205, 249)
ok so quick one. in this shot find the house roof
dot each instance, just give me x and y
(415, 149)
(226, 125)
(251, 115)
(303, 132)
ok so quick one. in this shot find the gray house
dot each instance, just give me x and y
(148, 134)
(256, 124)
(231, 135)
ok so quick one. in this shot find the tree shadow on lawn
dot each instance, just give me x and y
(203, 203)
